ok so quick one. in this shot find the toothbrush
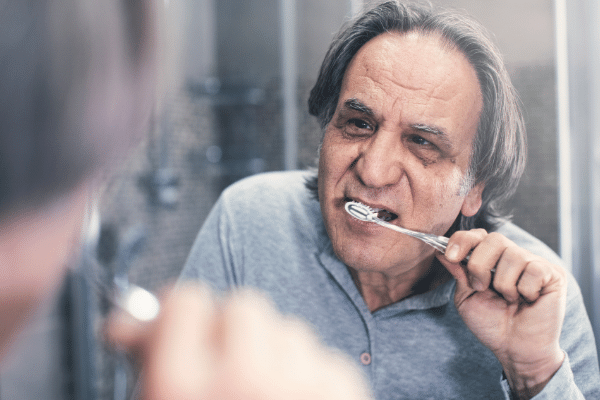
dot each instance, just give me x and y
(367, 214)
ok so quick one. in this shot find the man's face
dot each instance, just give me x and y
(400, 140)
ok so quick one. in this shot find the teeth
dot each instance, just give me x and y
(382, 213)
(386, 215)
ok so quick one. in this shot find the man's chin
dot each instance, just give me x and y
(393, 259)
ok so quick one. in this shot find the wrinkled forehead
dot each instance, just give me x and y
(414, 55)
(414, 77)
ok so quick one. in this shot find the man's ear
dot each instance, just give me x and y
(472, 201)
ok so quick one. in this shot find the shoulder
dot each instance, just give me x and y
(272, 201)
(265, 184)
(268, 190)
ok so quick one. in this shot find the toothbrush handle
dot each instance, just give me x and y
(438, 242)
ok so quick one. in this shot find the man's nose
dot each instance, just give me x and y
(379, 163)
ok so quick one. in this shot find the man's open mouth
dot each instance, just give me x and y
(385, 215)
(382, 214)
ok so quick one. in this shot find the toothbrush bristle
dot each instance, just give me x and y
(367, 213)
(361, 211)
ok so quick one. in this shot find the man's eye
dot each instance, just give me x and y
(358, 128)
(359, 123)
(420, 141)
(427, 151)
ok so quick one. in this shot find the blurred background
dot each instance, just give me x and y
(239, 108)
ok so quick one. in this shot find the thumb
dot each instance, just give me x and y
(463, 288)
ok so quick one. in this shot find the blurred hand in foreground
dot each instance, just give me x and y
(239, 348)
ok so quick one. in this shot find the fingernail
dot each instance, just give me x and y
(452, 252)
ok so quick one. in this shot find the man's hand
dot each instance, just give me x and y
(241, 348)
(516, 311)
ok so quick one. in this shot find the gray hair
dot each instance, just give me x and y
(67, 68)
(499, 149)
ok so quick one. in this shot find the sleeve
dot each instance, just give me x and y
(578, 378)
(212, 259)
(561, 386)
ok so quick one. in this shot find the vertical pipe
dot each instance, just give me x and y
(564, 134)
(594, 165)
(578, 82)
(289, 77)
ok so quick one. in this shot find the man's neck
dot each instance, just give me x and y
(380, 289)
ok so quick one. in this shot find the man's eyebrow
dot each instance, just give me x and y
(435, 131)
(357, 105)
(429, 129)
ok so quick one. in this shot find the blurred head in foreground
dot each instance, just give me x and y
(76, 92)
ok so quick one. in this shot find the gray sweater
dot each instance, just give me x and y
(267, 232)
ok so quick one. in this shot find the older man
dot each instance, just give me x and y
(421, 123)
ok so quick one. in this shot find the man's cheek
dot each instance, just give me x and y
(448, 184)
